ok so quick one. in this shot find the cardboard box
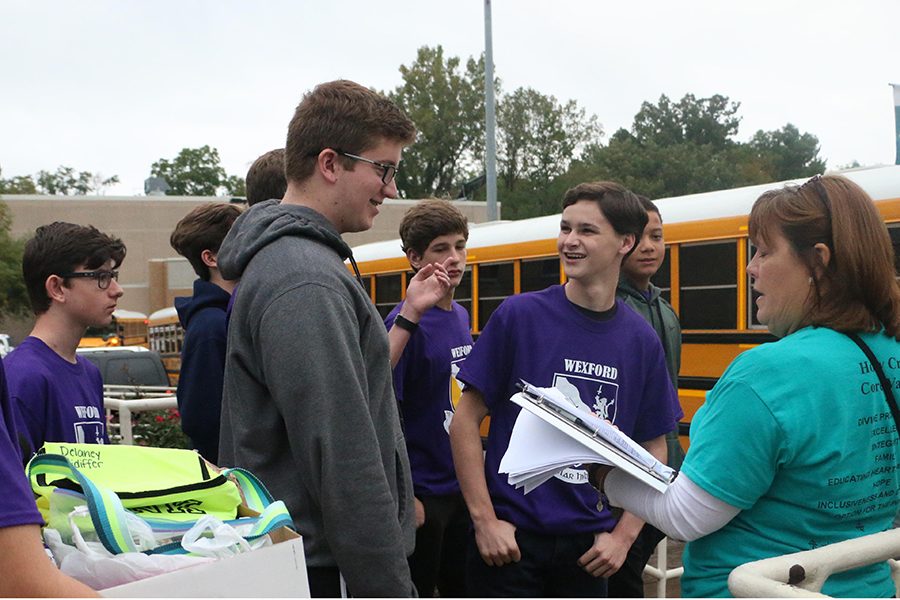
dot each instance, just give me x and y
(276, 571)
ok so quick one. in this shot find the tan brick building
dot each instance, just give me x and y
(153, 273)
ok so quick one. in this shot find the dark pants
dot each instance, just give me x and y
(324, 582)
(628, 582)
(548, 568)
(440, 556)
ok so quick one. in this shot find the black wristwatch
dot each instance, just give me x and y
(404, 323)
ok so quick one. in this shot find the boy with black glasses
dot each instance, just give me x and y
(308, 402)
(71, 278)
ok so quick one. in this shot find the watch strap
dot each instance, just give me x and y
(404, 323)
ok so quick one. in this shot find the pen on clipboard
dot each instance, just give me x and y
(541, 398)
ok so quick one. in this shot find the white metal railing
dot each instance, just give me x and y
(802, 574)
(129, 399)
(660, 572)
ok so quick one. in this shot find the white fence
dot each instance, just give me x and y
(127, 400)
(659, 571)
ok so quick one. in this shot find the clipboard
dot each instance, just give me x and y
(595, 434)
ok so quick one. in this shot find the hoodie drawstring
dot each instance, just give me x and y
(358, 276)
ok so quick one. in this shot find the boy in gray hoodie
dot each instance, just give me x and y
(308, 403)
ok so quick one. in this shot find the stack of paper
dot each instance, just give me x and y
(537, 452)
(554, 432)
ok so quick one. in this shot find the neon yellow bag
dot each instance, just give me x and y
(169, 489)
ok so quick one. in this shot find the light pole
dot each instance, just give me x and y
(490, 144)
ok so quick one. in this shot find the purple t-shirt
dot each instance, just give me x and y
(54, 400)
(615, 366)
(18, 501)
(426, 388)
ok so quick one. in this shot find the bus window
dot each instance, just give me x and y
(367, 283)
(539, 274)
(463, 293)
(388, 289)
(708, 285)
(495, 283)
(663, 277)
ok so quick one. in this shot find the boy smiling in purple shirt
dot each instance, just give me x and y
(576, 337)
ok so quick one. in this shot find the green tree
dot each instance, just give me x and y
(236, 186)
(20, 184)
(446, 102)
(14, 299)
(689, 147)
(706, 121)
(66, 181)
(195, 172)
(787, 153)
(538, 137)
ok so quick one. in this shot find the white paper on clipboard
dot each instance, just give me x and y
(553, 433)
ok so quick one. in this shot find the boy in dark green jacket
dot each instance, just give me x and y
(643, 297)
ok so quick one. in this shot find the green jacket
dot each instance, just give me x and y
(664, 321)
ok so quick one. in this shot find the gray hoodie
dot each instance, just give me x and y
(308, 403)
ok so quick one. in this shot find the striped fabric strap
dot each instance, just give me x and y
(106, 510)
(108, 514)
(255, 494)
(272, 517)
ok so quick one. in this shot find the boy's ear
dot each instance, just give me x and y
(54, 288)
(209, 258)
(627, 243)
(415, 260)
(327, 163)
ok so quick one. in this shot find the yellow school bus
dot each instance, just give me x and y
(127, 328)
(703, 276)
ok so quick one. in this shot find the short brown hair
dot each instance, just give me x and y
(344, 116)
(620, 206)
(430, 219)
(265, 179)
(857, 290)
(61, 248)
(203, 228)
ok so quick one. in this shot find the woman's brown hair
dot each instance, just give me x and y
(857, 290)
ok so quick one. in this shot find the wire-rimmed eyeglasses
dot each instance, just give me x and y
(102, 276)
(388, 172)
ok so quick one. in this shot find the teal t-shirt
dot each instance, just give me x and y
(798, 435)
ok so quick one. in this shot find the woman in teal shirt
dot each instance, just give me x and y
(795, 447)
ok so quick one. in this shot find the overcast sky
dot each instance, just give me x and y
(111, 86)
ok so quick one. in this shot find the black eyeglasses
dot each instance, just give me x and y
(387, 171)
(103, 277)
